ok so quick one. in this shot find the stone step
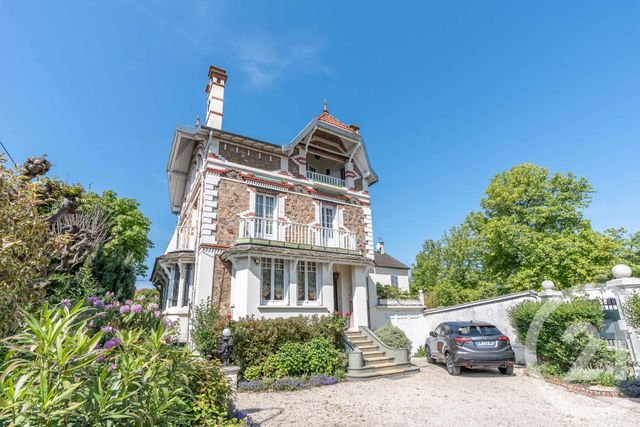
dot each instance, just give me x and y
(371, 347)
(361, 341)
(372, 353)
(383, 363)
(377, 359)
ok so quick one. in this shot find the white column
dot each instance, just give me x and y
(360, 306)
(293, 282)
(622, 286)
(327, 286)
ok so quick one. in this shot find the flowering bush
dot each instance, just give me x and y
(287, 383)
(631, 387)
(103, 364)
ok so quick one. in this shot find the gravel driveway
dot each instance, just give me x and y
(433, 397)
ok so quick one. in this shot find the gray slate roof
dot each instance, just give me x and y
(387, 261)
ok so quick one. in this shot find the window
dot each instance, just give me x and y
(327, 223)
(307, 281)
(175, 286)
(394, 281)
(188, 278)
(273, 279)
(478, 330)
(265, 214)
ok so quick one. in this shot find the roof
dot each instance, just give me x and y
(330, 120)
(387, 261)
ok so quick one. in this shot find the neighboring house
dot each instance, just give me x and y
(265, 229)
(389, 271)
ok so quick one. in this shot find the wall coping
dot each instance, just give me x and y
(508, 297)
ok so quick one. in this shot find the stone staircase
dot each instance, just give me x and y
(377, 359)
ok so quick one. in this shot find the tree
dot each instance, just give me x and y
(531, 227)
(24, 245)
(114, 272)
(129, 229)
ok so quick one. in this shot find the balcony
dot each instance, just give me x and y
(290, 234)
(326, 179)
(183, 239)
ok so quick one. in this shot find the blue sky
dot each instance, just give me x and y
(447, 94)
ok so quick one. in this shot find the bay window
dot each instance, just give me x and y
(308, 280)
(273, 279)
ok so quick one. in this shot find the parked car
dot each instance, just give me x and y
(470, 345)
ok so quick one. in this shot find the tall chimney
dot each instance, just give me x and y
(215, 96)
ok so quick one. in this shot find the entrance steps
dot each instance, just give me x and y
(378, 359)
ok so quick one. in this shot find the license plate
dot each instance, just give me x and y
(485, 343)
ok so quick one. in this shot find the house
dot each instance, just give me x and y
(389, 271)
(265, 229)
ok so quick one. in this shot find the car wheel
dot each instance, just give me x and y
(430, 358)
(506, 370)
(451, 367)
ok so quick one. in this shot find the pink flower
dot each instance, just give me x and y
(107, 329)
(112, 366)
(125, 309)
(347, 314)
(157, 314)
(339, 313)
(141, 298)
(229, 316)
(152, 306)
(136, 308)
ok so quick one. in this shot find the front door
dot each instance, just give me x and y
(265, 226)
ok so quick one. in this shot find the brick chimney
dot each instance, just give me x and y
(215, 96)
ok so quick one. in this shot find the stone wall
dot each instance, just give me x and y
(221, 291)
(233, 198)
(248, 157)
(354, 222)
(300, 209)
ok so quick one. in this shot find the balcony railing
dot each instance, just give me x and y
(285, 231)
(325, 179)
(183, 239)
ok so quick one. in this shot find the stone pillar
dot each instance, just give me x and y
(623, 286)
(548, 292)
(293, 282)
(327, 286)
(232, 375)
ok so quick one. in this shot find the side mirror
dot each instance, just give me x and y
(433, 334)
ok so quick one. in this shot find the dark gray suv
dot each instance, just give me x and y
(470, 345)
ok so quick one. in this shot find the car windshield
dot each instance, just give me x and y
(478, 330)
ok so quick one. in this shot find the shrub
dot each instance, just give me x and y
(393, 336)
(389, 292)
(632, 311)
(552, 345)
(287, 383)
(206, 329)
(421, 352)
(630, 387)
(65, 369)
(317, 356)
(212, 395)
(254, 340)
(590, 376)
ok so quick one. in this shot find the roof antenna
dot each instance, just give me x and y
(324, 108)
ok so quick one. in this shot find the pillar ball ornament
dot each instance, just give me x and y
(621, 271)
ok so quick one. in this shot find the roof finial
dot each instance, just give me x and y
(324, 108)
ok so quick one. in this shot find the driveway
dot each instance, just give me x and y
(433, 397)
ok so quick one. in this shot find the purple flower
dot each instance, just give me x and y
(125, 309)
(65, 303)
(128, 302)
(157, 314)
(100, 358)
(107, 329)
(113, 342)
(112, 366)
(152, 306)
(136, 308)
(97, 303)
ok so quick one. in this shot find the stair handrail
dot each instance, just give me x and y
(400, 355)
(347, 343)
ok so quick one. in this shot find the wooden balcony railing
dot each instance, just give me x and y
(326, 179)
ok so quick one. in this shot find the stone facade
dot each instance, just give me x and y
(249, 157)
(221, 290)
(300, 209)
(354, 220)
(233, 198)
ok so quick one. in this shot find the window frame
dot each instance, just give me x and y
(272, 261)
(305, 285)
(394, 278)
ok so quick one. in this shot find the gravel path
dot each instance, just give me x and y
(433, 397)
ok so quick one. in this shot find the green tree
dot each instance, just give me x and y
(114, 272)
(129, 229)
(531, 227)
